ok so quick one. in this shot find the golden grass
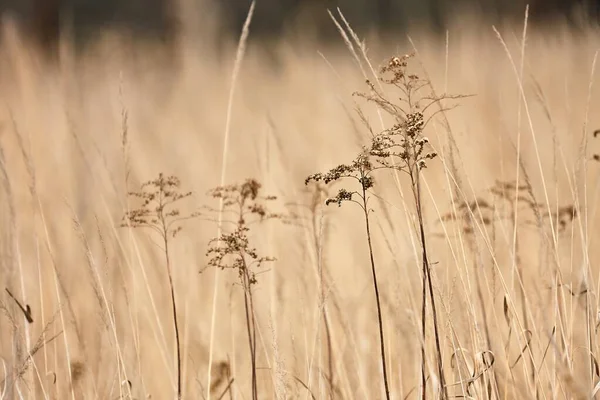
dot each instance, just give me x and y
(102, 286)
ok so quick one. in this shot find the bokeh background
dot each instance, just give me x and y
(159, 19)
(100, 96)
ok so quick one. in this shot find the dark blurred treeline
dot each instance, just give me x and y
(274, 16)
(158, 19)
(43, 20)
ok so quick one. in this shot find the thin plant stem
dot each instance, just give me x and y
(377, 299)
(424, 333)
(165, 235)
(249, 308)
(251, 325)
(427, 276)
(175, 321)
(251, 328)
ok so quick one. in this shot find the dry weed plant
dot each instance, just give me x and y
(159, 213)
(482, 215)
(402, 148)
(243, 206)
(359, 170)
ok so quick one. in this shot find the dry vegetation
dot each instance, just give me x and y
(506, 210)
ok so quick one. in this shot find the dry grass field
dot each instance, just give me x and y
(508, 209)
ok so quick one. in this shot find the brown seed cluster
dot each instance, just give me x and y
(232, 250)
(158, 209)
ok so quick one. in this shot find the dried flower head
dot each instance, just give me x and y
(232, 250)
(245, 200)
(360, 169)
(158, 209)
(403, 146)
(396, 66)
(468, 212)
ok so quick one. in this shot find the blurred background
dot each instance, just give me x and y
(115, 110)
(161, 19)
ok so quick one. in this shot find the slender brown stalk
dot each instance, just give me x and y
(174, 315)
(250, 325)
(424, 334)
(377, 298)
(427, 276)
(247, 281)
